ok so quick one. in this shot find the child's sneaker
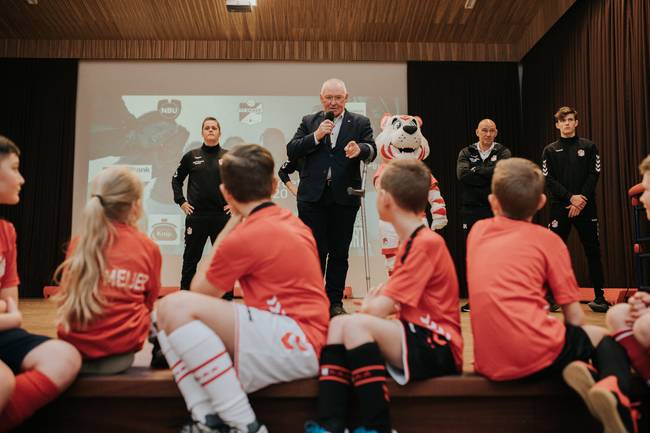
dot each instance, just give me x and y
(214, 424)
(581, 377)
(199, 427)
(254, 427)
(314, 427)
(364, 430)
(615, 410)
(158, 360)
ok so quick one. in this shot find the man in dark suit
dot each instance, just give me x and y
(332, 143)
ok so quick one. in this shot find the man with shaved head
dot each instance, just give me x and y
(474, 171)
(332, 143)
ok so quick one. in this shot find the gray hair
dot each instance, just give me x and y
(333, 82)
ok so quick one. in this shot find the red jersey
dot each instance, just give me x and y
(425, 284)
(509, 263)
(274, 257)
(130, 288)
(8, 268)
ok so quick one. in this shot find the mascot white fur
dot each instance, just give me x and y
(401, 138)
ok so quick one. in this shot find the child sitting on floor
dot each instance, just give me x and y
(510, 263)
(110, 278)
(43, 368)
(423, 341)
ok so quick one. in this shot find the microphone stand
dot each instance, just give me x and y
(364, 225)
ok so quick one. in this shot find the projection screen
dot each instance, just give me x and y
(146, 115)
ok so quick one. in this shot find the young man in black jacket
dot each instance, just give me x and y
(572, 167)
(474, 170)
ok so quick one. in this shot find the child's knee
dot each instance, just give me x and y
(642, 330)
(58, 360)
(171, 309)
(356, 328)
(336, 327)
(617, 316)
(7, 384)
(69, 360)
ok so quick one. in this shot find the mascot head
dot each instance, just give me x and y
(401, 138)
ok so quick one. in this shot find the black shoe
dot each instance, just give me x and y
(158, 360)
(599, 305)
(213, 424)
(337, 310)
(465, 308)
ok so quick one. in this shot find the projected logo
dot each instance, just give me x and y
(250, 112)
(169, 109)
(165, 229)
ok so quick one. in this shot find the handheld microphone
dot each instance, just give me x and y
(329, 115)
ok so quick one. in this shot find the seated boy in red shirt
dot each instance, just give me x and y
(511, 264)
(43, 367)
(422, 342)
(277, 334)
(631, 322)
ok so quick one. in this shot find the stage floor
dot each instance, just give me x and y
(39, 315)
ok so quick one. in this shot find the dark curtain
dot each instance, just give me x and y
(38, 113)
(596, 59)
(451, 98)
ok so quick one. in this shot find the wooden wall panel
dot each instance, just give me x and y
(547, 15)
(315, 51)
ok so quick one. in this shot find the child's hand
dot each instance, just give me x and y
(12, 315)
(642, 297)
(638, 305)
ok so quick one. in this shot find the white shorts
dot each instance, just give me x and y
(270, 348)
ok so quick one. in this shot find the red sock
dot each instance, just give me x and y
(639, 356)
(33, 391)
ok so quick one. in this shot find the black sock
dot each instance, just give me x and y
(369, 380)
(333, 388)
(611, 360)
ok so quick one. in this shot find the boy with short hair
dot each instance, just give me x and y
(277, 334)
(511, 265)
(422, 342)
(43, 368)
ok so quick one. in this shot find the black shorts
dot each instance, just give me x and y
(577, 347)
(15, 344)
(424, 355)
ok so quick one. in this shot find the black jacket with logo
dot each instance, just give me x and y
(476, 174)
(571, 166)
(202, 166)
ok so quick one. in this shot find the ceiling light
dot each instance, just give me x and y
(240, 5)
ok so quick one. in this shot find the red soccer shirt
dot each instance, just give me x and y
(131, 286)
(274, 257)
(509, 263)
(426, 287)
(8, 272)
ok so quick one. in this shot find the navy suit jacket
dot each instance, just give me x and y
(318, 158)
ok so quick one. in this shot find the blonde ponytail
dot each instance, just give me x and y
(114, 192)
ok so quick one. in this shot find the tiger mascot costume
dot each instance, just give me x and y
(401, 138)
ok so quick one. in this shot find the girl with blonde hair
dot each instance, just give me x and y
(110, 278)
